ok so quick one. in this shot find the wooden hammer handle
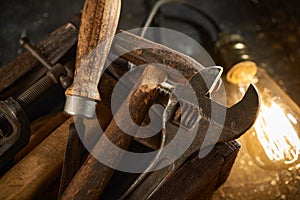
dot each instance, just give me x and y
(98, 25)
(93, 176)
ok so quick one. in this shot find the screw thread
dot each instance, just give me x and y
(35, 91)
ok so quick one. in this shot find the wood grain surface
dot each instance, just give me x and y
(98, 25)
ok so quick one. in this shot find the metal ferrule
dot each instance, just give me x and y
(80, 106)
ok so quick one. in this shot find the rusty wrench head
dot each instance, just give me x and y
(239, 118)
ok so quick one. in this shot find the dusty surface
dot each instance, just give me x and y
(248, 181)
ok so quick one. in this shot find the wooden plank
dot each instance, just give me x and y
(228, 151)
(199, 178)
(41, 129)
(38, 169)
(196, 179)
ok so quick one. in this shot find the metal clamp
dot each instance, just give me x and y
(11, 143)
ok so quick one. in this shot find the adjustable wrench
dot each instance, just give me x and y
(239, 118)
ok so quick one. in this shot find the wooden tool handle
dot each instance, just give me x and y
(98, 25)
(93, 176)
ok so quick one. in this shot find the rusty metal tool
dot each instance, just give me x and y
(239, 118)
(139, 51)
(126, 44)
(54, 47)
(15, 126)
(93, 176)
(72, 159)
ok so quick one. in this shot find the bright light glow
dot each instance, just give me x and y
(277, 135)
(292, 118)
(239, 46)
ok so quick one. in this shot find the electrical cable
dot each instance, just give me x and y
(189, 5)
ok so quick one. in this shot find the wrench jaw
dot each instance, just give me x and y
(182, 112)
(186, 115)
(241, 116)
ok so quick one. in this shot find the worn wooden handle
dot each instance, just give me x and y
(98, 25)
(93, 176)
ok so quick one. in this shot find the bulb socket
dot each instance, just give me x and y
(231, 49)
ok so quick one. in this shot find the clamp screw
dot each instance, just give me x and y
(55, 73)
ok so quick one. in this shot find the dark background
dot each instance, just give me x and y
(271, 29)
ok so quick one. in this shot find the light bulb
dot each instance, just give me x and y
(273, 142)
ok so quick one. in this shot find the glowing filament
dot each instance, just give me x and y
(277, 135)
